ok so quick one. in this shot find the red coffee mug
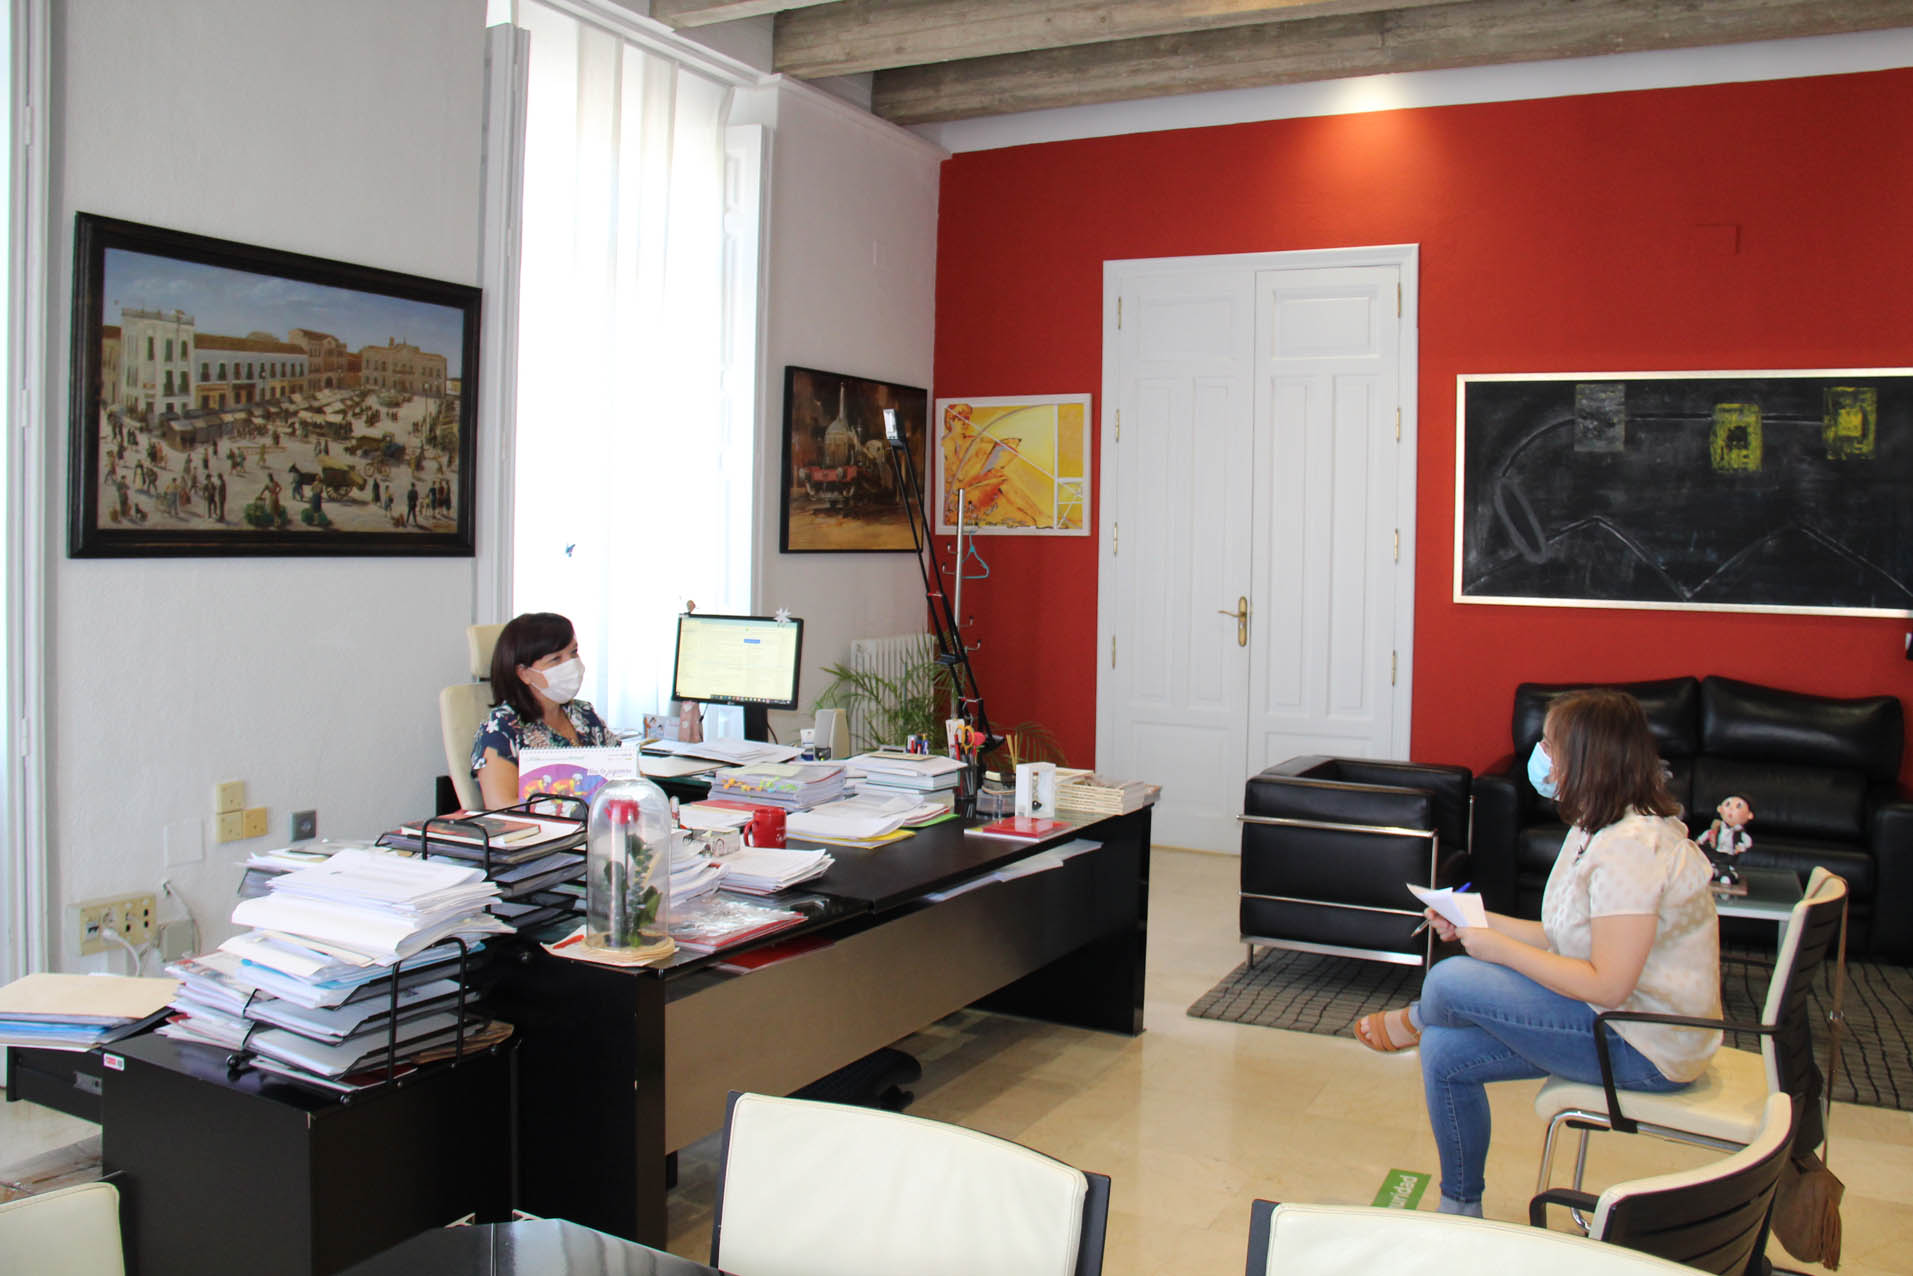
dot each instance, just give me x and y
(766, 827)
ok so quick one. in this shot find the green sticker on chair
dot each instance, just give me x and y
(1401, 1190)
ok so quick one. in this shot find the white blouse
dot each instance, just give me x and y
(1642, 865)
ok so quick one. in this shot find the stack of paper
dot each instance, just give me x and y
(864, 818)
(886, 771)
(77, 1012)
(795, 786)
(722, 922)
(1087, 793)
(693, 875)
(529, 857)
(763, 870)
(735, 752)
(325, 945)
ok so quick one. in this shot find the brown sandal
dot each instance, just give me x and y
(1372, 1031)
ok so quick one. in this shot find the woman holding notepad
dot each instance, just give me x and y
(1627, 922)
(536, 674)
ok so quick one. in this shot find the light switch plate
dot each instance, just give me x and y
(229, 795)
(253, 822)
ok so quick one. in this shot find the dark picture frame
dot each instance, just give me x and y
(230, 400)
(1784, 491)
(840, 494)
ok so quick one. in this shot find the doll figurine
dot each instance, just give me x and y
(1727, 837)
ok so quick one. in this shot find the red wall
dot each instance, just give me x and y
(1742, 226)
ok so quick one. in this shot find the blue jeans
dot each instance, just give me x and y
(1482, 1022)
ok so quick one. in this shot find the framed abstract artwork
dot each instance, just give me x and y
(228, 399)
(1014, 465)
(840, 490)
(1709, 491)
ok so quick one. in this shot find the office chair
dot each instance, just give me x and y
(1713, 1218)
(73, 1231)
(1724, 1108)
(463, 708)
(1332, 1240)
(807, 1187)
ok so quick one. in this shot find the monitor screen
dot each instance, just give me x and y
(747, 660)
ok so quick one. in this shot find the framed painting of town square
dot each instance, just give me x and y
(229, 399)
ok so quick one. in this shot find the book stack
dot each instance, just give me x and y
(1086, 793)
(795, 786)
(310, 989)
(693, 874)
(51, 1011)
(923, 776)
(527, 856)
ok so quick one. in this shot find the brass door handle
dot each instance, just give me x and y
(1241, 614)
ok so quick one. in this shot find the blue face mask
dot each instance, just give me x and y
(1539, 767)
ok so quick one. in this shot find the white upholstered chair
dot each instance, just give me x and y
(1725, 1107)
(72, 1231)
(1713, 1218)
(1363, 1240)
(462, 708)
(808, 1187)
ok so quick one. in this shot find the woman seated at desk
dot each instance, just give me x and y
(536, 674)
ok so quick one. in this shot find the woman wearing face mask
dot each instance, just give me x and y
(1627, 922)
(536, 674)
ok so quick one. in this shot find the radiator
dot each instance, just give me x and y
(890, 659)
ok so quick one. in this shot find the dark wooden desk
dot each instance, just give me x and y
(527, 1247)
(617, 1068)
(245, 1173)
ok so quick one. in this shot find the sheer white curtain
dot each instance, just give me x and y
(626, 440)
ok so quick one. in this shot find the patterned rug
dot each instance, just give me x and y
(1307, 992)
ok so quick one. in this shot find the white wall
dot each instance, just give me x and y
(851, 261)
(313, 680)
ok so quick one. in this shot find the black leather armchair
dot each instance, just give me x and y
(1822, 775)
(1328, 843)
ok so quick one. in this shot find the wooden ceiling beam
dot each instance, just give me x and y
(1476, 33)
(870, 35)
(679, 14)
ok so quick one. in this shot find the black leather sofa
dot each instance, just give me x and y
(1328, 843)
(1822, 776)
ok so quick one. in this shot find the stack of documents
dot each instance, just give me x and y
(795, 786)
(887, 771)
(529, 856)
(868, 817)
(763, 870)
(693, 875)
(723, 922)
(77, 1012)
(1086, 793)
(735, 752)
(334, 940)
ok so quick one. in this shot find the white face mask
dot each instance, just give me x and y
(562, 681)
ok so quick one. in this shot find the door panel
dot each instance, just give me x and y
(1258, 457)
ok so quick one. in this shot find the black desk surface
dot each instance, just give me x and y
(926, 862)
(527, 1247)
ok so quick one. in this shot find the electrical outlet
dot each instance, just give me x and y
(305, 825)
(130, 915)
(254, 822)
(229, 795)
(230, 826)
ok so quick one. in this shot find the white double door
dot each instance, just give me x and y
(1256, 572)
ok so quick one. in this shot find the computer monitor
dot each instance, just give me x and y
(750, 661)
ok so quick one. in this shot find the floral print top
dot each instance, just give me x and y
(506, 732)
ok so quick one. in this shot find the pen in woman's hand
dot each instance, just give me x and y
(1426, 922)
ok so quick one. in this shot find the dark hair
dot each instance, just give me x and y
(1608, 764)
(523, 640)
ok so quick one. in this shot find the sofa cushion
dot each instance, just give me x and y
(1744, 720)
(1815, 802)
(1447, 786)
(1536, 848)
(1803, 855)
(1672, 706)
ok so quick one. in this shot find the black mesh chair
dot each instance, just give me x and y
(1713, 1218)
(1328, 845)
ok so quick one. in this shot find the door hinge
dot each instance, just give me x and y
(1119, 425)
(1398, 544)
(1119, 314)
(1115, 539)
(1394, 658)
(1398, 298)
(1398, 425)
(1112, 651)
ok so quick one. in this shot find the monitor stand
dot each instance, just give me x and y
(757, 723)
